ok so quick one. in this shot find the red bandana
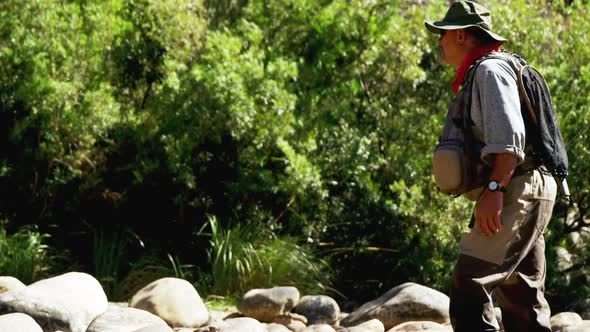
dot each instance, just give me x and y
(470, 59)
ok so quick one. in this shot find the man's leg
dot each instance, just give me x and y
(488, 261)
(471, 307)
(521, 297)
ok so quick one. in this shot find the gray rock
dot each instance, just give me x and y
(8, 284)
(373, 325)
(296, 326)
(406, 302)
(583, 326)
(288, 318)
(274, 327)
(68, 302)
(319, 309)
(218, 316)
(563, 319)
(18, 322)
(292, 321)
(174, 300)
(200, 329)
(241, 324)
(265, 304)
(156, 328)
(117, 319)
(421, 326)
(319, 328)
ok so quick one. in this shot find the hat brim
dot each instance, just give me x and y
(437, 26)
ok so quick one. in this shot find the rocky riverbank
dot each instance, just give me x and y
(76, 302)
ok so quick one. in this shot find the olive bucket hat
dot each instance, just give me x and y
(465, 14)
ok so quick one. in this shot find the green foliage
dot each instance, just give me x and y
(107, 259)
(24, 255)
(247, 256)
(145, 270)
(222, 303)
(287, 119)
(121, 278)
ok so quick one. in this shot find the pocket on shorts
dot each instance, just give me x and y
(520, 187)
(491, 249)
(544, 186)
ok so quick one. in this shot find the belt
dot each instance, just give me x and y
(529, 169)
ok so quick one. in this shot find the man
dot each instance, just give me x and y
(503, 254)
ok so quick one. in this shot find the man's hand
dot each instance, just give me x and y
(489, 207)
(488, 211)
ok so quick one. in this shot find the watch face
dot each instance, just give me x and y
(493, 185)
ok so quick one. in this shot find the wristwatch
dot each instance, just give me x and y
(494, 185)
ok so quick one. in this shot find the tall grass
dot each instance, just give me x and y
(24, 254)
(248, 256)
(108, 250)
(120, 277)
(147, 269)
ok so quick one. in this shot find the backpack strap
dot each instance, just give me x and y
(516, 63)
(519, 65)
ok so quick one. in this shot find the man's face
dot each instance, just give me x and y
(451, 50)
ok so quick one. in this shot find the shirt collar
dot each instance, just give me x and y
(471, 57)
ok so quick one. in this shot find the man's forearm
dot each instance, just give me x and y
(489, 206)
(503, 168)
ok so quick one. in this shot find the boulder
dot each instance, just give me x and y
(421, 326)
(319, 328)
(563, 319)
(296, 326)
(294, 322)
(174, 300)
(406, 302)
(319, 309)
(265, 304)
(68, 302)
(583, 326)
(117, 319)
(8, 284)
(241, 324)
(216, 316)
(157, 328)
(18, 322)
(373, 325)
(200, 329)
(288, 318)
(274, 327)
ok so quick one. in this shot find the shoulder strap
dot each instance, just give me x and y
(525, 97)
(518, 64)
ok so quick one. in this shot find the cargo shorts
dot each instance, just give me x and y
(509, 264)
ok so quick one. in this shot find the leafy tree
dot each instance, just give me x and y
(306, 119)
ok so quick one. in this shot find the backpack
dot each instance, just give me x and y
(538, 112)
(458, 170)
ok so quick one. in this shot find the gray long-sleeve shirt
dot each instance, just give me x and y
(495, 110)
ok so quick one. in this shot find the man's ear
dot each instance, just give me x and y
(461, 36)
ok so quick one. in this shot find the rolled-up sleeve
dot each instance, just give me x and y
(496, 110)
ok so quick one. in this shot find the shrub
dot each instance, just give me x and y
(248, 256)
(24, 254)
